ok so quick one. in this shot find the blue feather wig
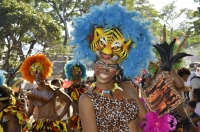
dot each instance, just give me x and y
(131, 25)
(2, 78)
(68, 69)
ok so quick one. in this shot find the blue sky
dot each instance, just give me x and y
(180, 4)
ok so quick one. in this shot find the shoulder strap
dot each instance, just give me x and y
(195, 77)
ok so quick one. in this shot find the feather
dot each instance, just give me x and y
(156, 123)
(177, 57)
(2, 77)
(166, 54)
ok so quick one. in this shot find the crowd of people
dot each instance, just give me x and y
(119, 46)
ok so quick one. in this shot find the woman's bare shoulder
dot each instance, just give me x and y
(126, 85)
(84, 99)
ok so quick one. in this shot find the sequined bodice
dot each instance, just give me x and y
(113, 115)
(40, 97)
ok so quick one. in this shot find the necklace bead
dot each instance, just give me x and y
(107, 91)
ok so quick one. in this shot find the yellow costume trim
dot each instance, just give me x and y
(75, 122)
(36, 63)
(18, 112)
(48, 125)
(15, 111)
(1, 114)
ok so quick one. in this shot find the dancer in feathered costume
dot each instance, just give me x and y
(37, 68)
(75, 72)
(163, 100)
(11, 116)
(111, 38)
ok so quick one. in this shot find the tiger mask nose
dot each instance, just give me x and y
(105, 56)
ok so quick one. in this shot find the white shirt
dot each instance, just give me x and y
(194, 83)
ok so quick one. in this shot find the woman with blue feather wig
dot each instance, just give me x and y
(112, 40)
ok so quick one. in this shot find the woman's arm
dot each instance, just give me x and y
(178, 82)
(135, 126)
(67, 101)
(87, 114)
(142, 109)
(30, 109)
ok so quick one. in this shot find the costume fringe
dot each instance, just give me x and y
(48, 126)
(75, 122)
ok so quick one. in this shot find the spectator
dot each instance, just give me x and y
(190, 109)
(190, 79)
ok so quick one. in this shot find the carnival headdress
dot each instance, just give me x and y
(37, 63)
(175, 48)
(4, 91)
(72, 64)
(111, 32)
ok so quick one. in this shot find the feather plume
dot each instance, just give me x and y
(2, 77)
(166, 54)
(164, 33)
(181, 45)
(156, 123)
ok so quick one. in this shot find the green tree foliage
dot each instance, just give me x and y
(21, 26)
(168, 15)
(148, 11)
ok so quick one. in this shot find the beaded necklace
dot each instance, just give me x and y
(102, 92)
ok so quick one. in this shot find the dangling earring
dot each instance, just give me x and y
(118, 78)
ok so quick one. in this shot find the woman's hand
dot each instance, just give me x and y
(169, 81)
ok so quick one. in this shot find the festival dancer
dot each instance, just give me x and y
(75, 72)
(11, 116)
(37, 68)
(113, 41)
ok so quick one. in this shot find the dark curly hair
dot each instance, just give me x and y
(183, 71)
(196, 93)
(4, 94)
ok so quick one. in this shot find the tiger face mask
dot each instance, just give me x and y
(110, 44)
